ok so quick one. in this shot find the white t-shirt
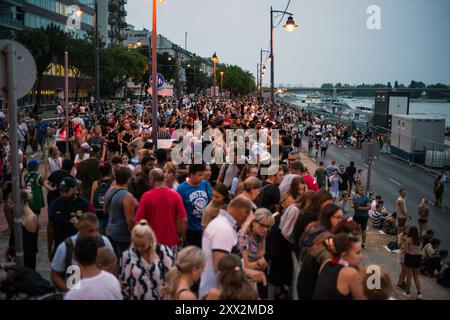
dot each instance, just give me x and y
(219, 235)
(103, 286)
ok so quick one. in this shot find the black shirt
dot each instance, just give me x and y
(140, 186)
(344, 184)
(61, 211)
(351, 171)
(55, 179)
(270, 196)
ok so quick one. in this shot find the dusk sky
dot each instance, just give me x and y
(332, 43)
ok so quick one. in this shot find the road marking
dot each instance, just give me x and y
(365, 165)
(347, 155)
(396, 182)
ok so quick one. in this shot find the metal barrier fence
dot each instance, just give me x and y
(428, 153)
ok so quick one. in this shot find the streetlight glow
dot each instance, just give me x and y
(214, 58)
(290, 24)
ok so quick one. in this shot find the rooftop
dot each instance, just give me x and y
(418, 117)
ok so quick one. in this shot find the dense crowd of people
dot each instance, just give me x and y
(142, 225)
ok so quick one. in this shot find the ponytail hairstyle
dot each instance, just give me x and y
(188, 259)
(233, 280)
(340, 243)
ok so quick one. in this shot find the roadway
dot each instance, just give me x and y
(388, 176)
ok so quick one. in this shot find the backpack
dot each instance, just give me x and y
(392, 245)
(99, 196)
(70, 246)
(32, 184)
(444, 276)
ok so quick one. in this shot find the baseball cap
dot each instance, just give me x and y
(33, 164)
(67, 183)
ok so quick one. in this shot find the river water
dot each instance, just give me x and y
(434, 109)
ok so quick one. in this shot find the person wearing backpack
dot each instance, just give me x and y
(99, 189)
(34, 182)
(63, 258)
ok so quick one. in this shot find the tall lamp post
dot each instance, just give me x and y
(261, 69)
(214, 60)
(97, 55)
(154, 76)
(289, 26)
(221, 82)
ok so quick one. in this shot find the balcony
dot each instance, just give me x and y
(11, 23)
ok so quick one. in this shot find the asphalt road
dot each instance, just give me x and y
(388, 176)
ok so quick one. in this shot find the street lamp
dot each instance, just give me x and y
(154, 77)
(289, 26)
(261, 73)
(97, 54)
(214, 60)
(221, 82)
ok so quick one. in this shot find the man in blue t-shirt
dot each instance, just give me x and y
(361, 204)
(196, 194)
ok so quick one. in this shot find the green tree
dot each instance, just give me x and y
(47, 45)
(81, 60)
(119, 65)
(396, 84)
(237, 81)
(416, 85)
(327, 86)
(389, 85)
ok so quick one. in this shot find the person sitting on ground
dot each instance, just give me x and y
(95, 284)
(390, 224)
(431, 258)
(429, 235)
(377, 216)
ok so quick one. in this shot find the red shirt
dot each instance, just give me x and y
(310, 183)
(161, 207)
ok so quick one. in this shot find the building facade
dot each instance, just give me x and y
(76, 16)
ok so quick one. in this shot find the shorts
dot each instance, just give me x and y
(413, 261)
(401, 222)
(334, 194)
(421, 220)
(362, 222)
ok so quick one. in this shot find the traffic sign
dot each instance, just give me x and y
(25, 69)
(160, 81)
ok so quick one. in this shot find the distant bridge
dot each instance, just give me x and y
(334, 91)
